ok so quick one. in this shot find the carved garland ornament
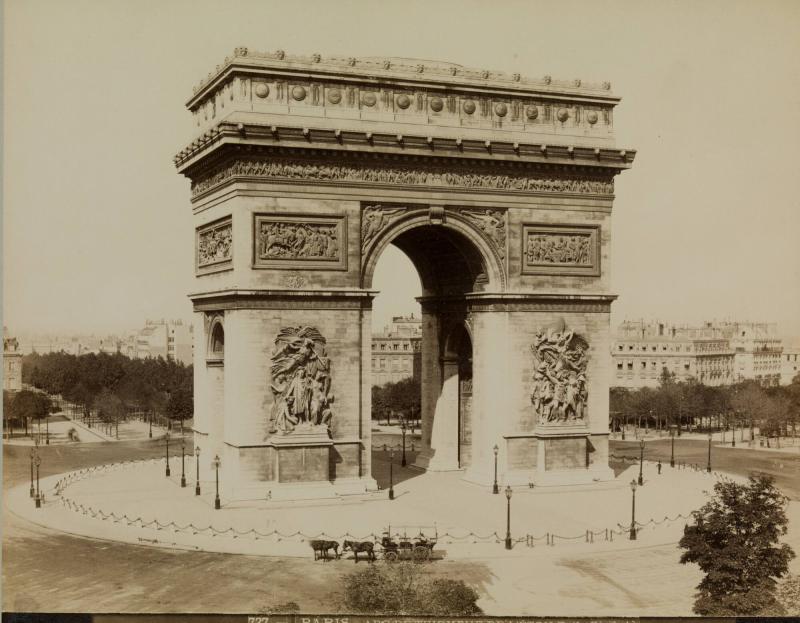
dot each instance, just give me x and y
(300, 381)
(293, 170)
(559, 376)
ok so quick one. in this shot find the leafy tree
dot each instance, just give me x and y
(734, 539)
(400, 397)
(28, 405)
(404, 588)
(180, 405)
(110, 407)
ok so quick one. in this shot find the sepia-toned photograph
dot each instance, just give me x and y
(445, 310)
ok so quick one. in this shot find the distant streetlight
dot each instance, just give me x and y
(495, 488)
(150, 423)
(166, 438)
(632, 534)
(508, 517)
(708, 467)
(672, 448)
(403, 429)
(34, 454)
(215, 464)
(38, 461)
(47, 430)
(641, 461)
(197, 465)
(391, 475)
(183, 471)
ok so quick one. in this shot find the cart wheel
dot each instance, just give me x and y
(421, 553)
(390, 556)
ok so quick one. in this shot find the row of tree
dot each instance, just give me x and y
(396, 400)
(679, 404)
(113, 385)
(23, 407)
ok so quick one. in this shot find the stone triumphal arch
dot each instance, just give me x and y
(497, 187)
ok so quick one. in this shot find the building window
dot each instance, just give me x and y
(405, 346)
(395, 346)
(644, 365)
(619, 347)
(630, 365)
(383, 346)
(619, 366)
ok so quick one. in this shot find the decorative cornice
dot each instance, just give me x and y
(520, 178)
(405, 69)
(274, 298)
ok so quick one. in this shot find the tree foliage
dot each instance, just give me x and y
(27, 404)
(735, 540)
(402, 397)
(145, 384)
(404, 588)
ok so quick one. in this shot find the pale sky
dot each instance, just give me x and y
(97, 231)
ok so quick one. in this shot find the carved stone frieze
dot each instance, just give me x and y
(522, 180)
(214, 244)
(560, 358)
(308, 241)
(294, 281)
(556, 249)
(300, 381)
(374, 219)
(492, 223)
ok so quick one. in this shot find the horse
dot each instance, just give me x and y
(321, 548)
(360, 546)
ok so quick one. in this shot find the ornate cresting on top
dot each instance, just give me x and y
(300, 381)
(559, 378)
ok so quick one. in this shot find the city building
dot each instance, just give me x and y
(790, 361)
(169, 339)
(397, 351)
(643, 349)
(12, 364)
(758, 349)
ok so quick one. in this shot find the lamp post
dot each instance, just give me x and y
(197, 466)
(183, 454)
(624, 424)
(34, 454)
(708, 467)
(403, 428)
(47, 431)
(215, 464)
(672, 448)
(495, 488)
(391, 475)
(508, 517)
(38, 461)
(166, 437)
(632, 534)
(150, 423)
(641, 461)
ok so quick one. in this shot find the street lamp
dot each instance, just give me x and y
(215, 464)
(183, 454)
(34, 454)
(47, 430)
(166, 437)
(150, 422)
(38, 461)
(641, 461)
(672, 448)
(632, 534)
(708, 467)
(403, 429)
(197, 465)
(495, 488)
(391, 475)
(508, 517)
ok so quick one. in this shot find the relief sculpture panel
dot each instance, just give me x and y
(559, 376)
(214, 243)
(561, 250)
(299, 242)
(492, 223)
(300, 381)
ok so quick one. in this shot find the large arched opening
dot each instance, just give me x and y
(452, 262)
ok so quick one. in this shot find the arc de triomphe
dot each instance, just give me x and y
(497, 187)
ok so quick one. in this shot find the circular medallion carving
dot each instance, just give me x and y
(469, 107)
(501, 109)
(262, 90)
(369, 99)
(403, 101)
(562, 115)
(299, 93)
(532, 112)
(334, 96)
(591, 117)
(436, 104)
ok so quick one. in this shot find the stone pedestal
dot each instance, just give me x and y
(563, 456)
(304, 455)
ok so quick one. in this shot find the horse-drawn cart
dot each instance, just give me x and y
(418, 548)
